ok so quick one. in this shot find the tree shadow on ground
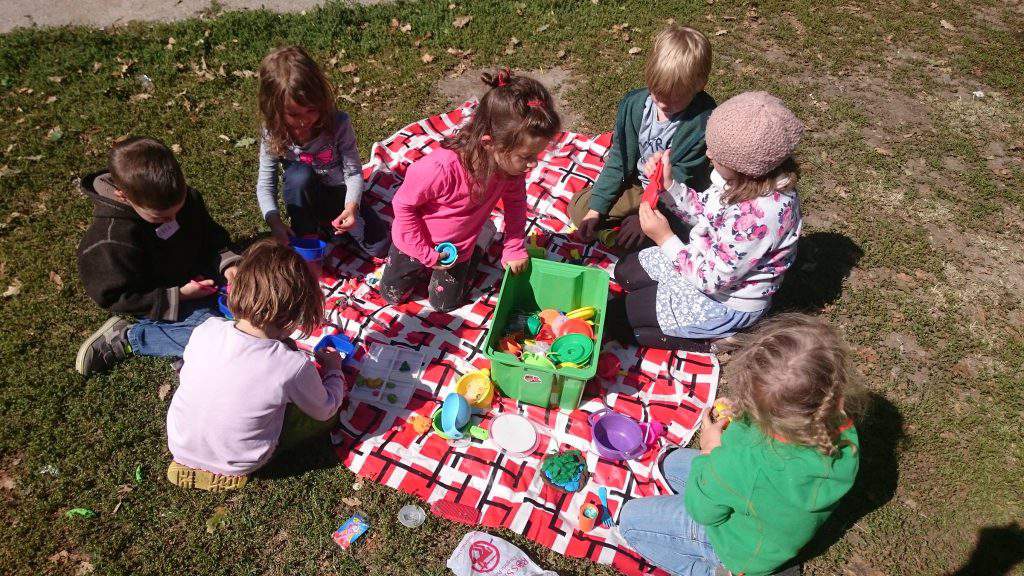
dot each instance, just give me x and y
(824, 260)
(880, 431)
(998, 550)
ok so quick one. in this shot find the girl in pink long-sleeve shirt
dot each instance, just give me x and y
(449, 195)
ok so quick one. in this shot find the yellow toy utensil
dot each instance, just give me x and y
(584, 313)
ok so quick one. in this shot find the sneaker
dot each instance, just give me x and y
(104, 347)
(186, 477)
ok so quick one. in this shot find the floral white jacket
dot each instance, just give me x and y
(737, 253)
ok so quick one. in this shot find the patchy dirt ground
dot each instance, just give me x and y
(464, 83)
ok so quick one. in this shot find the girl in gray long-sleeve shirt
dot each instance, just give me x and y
(313, 146)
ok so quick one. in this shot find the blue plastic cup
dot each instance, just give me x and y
(310, 249)
(339, 342)
(449, 253)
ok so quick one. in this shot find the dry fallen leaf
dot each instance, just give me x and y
(163, 391)
(139, 97)
(56, 279)
(55, 79)
(721, 32)
(561, 54)
(85, 567)
(348, 68)
(353, 502)
(634, 50)
(14, 289)
(51, 99)
(461, 21)
(7, 482)
(883, 151)
(426, 58)
(946, 25)
(543, 28)
(54, 134)
(406, 28)
(176, 148)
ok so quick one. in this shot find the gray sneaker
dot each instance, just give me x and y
(104, 347)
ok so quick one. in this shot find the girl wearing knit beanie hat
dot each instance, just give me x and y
(745, 229)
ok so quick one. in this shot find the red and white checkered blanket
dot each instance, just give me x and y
(379, 444)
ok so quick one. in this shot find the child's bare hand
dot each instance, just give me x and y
(588, 226)
(654, 224)
(710, 432)
(518, 266)
(229, 273)
(664, 157)
(328, 358)
(197, 288)
(282, 233)
(347, 219)
(630, 233)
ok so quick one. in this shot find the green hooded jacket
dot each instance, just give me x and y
(761, 500)
(689, 160)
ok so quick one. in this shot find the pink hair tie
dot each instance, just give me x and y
(535, 103)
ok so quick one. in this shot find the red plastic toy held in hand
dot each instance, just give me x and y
(654, 186)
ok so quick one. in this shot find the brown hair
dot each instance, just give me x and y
(288, 73)
(274, 287)
(679, 63)
(515, 110)
(147, 172)
(791, 377)
(745, 188)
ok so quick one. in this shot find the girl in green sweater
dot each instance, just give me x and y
(756, 492)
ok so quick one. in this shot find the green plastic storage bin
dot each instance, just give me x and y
(555, 285)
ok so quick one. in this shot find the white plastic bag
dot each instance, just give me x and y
(480, 554)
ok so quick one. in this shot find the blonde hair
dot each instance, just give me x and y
(274, 287)
(791, 377)
(679, 63)
(746, 188)
(515, 110)
(288, 73)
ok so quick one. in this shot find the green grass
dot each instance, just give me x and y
(934, 253)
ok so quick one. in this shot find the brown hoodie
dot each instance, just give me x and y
(126, 268)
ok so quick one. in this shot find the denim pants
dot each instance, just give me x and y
(159, 338)
(661, 530)
(312, 206)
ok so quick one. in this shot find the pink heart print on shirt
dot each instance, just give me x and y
(322, 157)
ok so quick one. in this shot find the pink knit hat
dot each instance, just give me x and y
(752, 133)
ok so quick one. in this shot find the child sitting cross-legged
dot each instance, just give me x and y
(746, 227)
(758, 490)
(152, 251)
(243, 380)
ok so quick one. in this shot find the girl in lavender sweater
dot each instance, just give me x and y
(240, 376)
(745, 229)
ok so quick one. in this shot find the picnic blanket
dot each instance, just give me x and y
(379, 443)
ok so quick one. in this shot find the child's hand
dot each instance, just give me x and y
(666, 175)
(654, 224)
(710, 433)
(588, 226)
(229, 273)
(518, 266)
(630, 233)
(328, 358)
(197, 288)
(347, 219)
(282, 233)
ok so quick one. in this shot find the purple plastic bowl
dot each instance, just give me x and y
(616, 436)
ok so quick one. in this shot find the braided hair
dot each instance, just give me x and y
(791, 377)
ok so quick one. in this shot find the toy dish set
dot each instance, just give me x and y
(546, 288)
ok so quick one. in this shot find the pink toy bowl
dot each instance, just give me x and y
(619, 437)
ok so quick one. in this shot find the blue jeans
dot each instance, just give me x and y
(309, 203)
(159, 338)
(662, 531)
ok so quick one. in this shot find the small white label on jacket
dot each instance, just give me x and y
(167, 229)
